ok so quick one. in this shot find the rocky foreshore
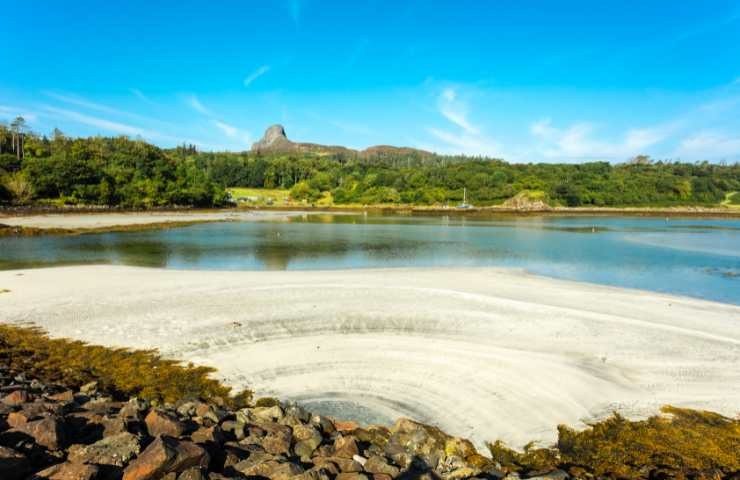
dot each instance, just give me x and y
(50, 432)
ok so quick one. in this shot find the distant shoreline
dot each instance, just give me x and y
(497, 210)
(75, 221)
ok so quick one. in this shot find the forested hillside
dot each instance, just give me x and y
(132, 173)
(99, 171)
(414, 178)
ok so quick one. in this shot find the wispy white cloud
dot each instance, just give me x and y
(464, 137)
(91, 105)
(577, 141)
(256, 74)
(465, 143)
(11, 112)
(103, 124)
(71, 99)
(141, 96)
(233, 132)
(195, 104)
(710, 145)
(229, 130)
(455, 110)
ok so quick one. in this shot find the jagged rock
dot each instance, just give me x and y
(326, 464)
(230, 456)
(13, 465)
(345, 447)
(346, 464)
(17, 419)
(381, 476)
(274, 139)
(15, 398)
(165, 455)
(323, 423)
(351, 476)
(425, 442)
(298, 412)
(307, 439)
(272, 469)
(65, 396)
(192, 474)
(345, 426)
(47, 432)
(207, 435)
(133, 409)
(375, 434)
(283, 442)
(460, 473)
(315, 473)
(114, 450)
(278, 438)
(89, 388)
(267, 414)
(161, 423)
(102, 405)
(235, 428)
(554, 475)
(70, 471)
(378, 464)
(210, 412)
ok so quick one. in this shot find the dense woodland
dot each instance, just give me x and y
(132, 173)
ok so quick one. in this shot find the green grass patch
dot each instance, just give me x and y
(141, 373)
(733, 198)
(259, 196)
(681, 440)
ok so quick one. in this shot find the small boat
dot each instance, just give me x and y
(465, 204)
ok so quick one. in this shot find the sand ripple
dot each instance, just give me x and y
(482, 353)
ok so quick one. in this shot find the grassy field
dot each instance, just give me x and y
(273, 197)
(260, 196)
(732, 200)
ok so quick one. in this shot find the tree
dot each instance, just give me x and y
(641, 160)
(18, 127)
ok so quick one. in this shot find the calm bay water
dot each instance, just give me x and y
(695, 257)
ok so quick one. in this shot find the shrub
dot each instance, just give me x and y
(20, 189)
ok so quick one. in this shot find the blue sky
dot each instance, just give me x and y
(527, 81)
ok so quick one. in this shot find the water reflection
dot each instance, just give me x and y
(686, 256)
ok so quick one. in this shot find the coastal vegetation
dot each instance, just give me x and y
(679, 440)
(116, 171)
(141, 373)
(59, 170)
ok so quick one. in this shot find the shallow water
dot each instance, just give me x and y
(695, 257)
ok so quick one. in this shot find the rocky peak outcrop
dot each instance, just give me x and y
(274, 139)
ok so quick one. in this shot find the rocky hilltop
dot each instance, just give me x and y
(275, 140)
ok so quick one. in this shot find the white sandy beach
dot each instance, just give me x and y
(108, 219)
(482, 353)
